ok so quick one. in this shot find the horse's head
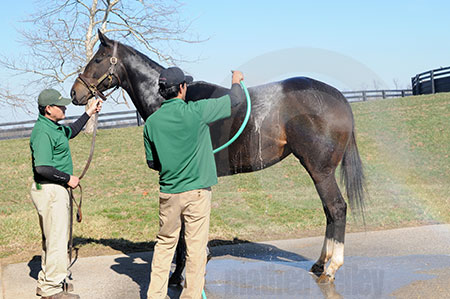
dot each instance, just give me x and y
(100, 74)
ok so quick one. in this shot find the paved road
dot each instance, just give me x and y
(400, 263)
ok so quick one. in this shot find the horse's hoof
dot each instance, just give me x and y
(317, 269)
(324, 278)
(175, 280)
(208, 257)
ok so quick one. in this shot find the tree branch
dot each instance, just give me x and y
(62, 39)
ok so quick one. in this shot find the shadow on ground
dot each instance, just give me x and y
(138, 256)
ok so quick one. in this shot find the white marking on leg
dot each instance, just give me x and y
(327, 251)
(330, 249)
(337, 259)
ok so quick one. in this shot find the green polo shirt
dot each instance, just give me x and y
(177, 137)
(49, 143)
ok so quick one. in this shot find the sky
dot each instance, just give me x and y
(352, 45)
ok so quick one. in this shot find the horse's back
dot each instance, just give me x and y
(199, 90)
(305, 83)
(308, 96)
(299, 97)
(302, 87)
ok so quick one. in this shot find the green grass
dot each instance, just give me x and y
(404, 145)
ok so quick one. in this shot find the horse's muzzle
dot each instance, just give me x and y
(79, 94)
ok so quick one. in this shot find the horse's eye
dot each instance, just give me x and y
(98, 60)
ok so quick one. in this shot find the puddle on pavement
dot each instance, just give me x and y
(360, 277)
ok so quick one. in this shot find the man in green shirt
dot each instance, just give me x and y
(53, 173)
(178, 145)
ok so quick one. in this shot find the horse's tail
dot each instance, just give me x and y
(352, 175)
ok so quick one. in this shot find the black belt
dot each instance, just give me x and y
(43, 182)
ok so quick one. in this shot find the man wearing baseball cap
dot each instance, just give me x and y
(178, 145)
(53, 174)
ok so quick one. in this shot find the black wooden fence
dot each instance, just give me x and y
(433, 81)
(122, 119)
(110, 120)
(365, 95)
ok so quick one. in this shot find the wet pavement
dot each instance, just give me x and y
(360, 277)
(401, 263)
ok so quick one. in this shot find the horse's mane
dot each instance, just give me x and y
(153, 64)
(197, 90)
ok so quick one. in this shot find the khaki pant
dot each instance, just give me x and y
(192, 207)
(52, 205)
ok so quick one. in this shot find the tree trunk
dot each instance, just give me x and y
(90, 124)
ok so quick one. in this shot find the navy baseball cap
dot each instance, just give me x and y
(173, 76)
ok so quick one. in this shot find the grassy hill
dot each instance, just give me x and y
(404, 145)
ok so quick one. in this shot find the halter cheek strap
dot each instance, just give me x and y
(113, 60)
(93, 87)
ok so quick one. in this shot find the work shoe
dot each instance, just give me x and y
(67, 286)
(62, 295)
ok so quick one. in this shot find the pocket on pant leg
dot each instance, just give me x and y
(40, 198)
(205, 199)
(164, 196)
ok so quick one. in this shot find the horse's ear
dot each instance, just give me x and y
(103, 39)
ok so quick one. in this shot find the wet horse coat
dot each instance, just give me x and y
(299, 116)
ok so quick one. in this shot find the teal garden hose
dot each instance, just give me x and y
(244, 123)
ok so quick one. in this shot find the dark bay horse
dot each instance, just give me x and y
(299, 116)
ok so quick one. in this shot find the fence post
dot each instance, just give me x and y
(417, 85)
(433, 90)
(383, 92)
(403, 93)
(138, 119)
(364, 95)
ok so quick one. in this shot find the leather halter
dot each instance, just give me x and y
(92, 84)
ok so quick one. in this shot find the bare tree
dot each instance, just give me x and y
(63, 34)
(376, 84)
(396, 83)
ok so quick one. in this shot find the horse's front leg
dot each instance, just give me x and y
(176, 278)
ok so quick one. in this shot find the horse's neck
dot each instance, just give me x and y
(141, 83)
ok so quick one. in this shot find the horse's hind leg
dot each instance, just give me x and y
(321, 163)
(318, 137)
(335, 210)
(321, 166)
(327, 249)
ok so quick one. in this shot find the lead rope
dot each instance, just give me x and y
(72, 199)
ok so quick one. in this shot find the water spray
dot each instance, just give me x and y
(238, 133)
(244, 123)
